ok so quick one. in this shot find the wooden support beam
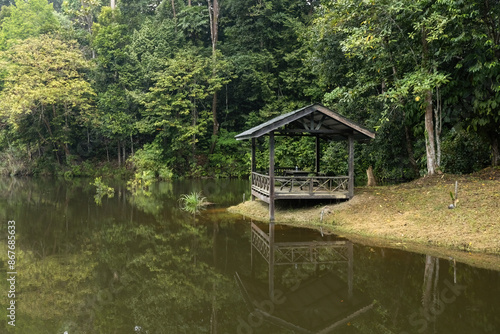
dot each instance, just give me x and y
(351, 165)
(320, 123)
(271, 261)
(271, 176)
(317, 153)
(350, 270)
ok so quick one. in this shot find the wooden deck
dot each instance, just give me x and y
(300, 187)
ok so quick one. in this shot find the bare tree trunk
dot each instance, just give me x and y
(113, 4)
(214, 9)
(173, 7)
(429, 115)
(429, 135)
(371, 178)
(438, 127)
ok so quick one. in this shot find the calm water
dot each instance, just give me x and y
(139, 264)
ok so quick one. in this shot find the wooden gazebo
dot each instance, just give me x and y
(287, 183)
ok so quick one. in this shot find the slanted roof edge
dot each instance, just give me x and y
(281, 120)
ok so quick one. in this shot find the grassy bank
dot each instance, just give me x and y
(413, 216)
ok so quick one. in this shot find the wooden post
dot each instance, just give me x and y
(317, 154)
(271, 176)
(351, 165)
(254, 164)
(271, 261)
(350, 266)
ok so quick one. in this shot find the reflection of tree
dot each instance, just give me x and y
(430, 287)
(108, 268)
(161, 287)
(151, 202)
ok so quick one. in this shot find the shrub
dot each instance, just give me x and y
(149, 159)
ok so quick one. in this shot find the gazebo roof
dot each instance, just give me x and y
(314, 119)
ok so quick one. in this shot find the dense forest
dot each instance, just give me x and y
(90, 86)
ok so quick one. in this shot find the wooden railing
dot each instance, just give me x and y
(312, 184)
(261, 183)
(292, 184)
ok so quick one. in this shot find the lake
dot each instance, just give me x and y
(140, 264)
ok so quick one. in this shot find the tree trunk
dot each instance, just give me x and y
(113, 4)
(438, 127)
(213, 8)
(371, 178)
(173, 7)
(429, 114)
(429, 135)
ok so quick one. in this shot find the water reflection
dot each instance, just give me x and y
(144, 263)
(317, 301)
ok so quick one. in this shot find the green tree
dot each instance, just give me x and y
(175, 111)
(478, 43)
(115, 118)
(368, 37)
(27, 19)
(45, 91)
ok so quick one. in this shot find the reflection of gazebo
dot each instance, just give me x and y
(316, 305)
(319, 122)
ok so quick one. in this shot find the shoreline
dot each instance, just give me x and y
(412, 217)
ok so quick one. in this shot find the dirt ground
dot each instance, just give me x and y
(414, 216)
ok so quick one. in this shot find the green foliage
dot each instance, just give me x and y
(102, 189)
(464, 152)
(150, 159)
(141, 78)
(193, 202)
(13, 162)
(26, 19)
(141, 182)
(45, 92)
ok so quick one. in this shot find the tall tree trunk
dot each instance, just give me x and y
(113, 4)
(429, 134)
(214, 9)
(438, 127)
(173, 7)
(429, 114)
